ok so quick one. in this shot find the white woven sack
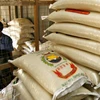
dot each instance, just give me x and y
(92, 74)
(24, 46)
(20, 36)
(21, 22)
(19, 40)
(79, 43)
(22, 90)
(91, 18)
(81, 57)
(55, 73)
(37, 92)
(94, 5)
(77, 30)
(19, 28)
(6, 31)
(31, 44)
(21, 31)
(79, 94)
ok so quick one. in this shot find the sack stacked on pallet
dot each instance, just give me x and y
(21, 30)
(55, 74)
(76, 34)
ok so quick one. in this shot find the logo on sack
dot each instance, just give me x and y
(60, 65)
(51, 58)
(64, 67)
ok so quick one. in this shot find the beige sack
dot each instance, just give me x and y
(37, 92)
(18, 28)
(76, 30)
(22, 90)
(21, 22)
(92, 74)
(91, 19)
(81, 57)
(54, 72)
(24, 31)
(94, 5)
(79, 43)
(79, 94)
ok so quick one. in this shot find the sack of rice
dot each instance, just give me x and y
(52, 71)
(30, 44)
(37, 92)
(21, 22)
(26, 48)
(81, 57)
(6, 31)
(79, 94)
(77, 30)
(91, 18)
(17, 28)
(92, 74)
(20, 32)
(22, 90)
(21, 35)
(79, 43)
(20, 40)
(94, 5)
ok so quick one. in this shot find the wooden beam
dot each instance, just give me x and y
(36, 25)
(16, 3)
(46, 2)
(6, 65)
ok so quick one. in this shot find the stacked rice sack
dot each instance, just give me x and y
(48, 75)
(21, 30)
(76, 34)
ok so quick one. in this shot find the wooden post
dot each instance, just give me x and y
(16, 12)
(21, 11)
(36, 25)
(9, 13)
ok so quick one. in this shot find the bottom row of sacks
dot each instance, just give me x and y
(47, 75)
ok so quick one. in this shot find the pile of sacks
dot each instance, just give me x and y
(76, 34)
(47, 75)
(20, 30)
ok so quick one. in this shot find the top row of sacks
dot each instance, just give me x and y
(84, 12)
(90, 5)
